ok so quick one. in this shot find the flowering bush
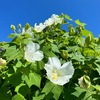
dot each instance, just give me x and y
(50, 62)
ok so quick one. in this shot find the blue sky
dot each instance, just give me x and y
(36, 11)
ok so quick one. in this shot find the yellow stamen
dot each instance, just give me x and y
(54, 75)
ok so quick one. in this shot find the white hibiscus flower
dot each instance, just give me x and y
(32, 52)
(57, 19)
(39, 28)
(59, 74)
(49, 22)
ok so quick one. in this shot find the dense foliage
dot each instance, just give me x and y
(25, 68)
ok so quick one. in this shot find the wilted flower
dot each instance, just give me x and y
(59, 74)
(39, 28)
(32, 52)
(2, 62)
(84, 82)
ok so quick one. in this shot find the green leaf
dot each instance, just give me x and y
(96, 96)
(12, 53)
(52, 88)
(18, 97)
(13, 35)
(97, 87)
(14, 79)
(79, 23)
(6, 46)
(18, 64)
(47, 51)
(40, 65)
(48, 87)
(17, 87)
(55, 48)
(88, 52)
(68, 17)
(86, 33)
(5, 93)
(78, 56)
(57, 90)
(32, 79)
(82, 93)
(49, 54)
(40, 97)
(78, 91)
(98, 67)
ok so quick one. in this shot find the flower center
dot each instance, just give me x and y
(54, 75)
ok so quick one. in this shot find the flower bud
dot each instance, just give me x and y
(2, 62)
(71, 30)
(88, 39)
(64, 54)
(84, 82)
(79, 28)
(27, 26)
(13, 27)
(19, 25)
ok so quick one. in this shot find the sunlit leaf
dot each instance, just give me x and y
(87, 33)
(13, 35)
(32, 79)
(79, 23)
(97, 87)
(57, 90)
(18, 97)
(68, 17)
(48, 87)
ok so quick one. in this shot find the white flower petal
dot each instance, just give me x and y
(32, 57)
(49, 22)
(29, 56)
(66, 64)
(62, 80)
(32, 53)
(48, 68)
(54, 61)
(32, 47)
(67, 69)
(57, 19)
(38, 56)
(39, 27)
(59, 74)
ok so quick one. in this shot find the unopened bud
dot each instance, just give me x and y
(64, 54)
(84, 82)
(27, 26)
(71, 31)
(2, 62)
(88, 39)
(13, 27)
(19, 25)
(79, 28)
